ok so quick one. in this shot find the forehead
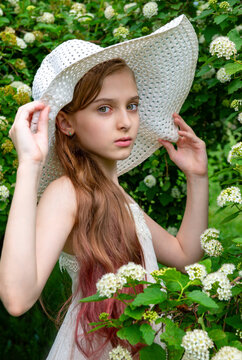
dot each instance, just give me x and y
(121, 80)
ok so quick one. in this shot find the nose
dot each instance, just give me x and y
(123, 120)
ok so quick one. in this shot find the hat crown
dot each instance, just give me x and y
(62, 57)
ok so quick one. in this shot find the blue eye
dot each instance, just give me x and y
(132, 107)
(102, 109)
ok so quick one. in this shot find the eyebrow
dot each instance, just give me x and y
(114, 100)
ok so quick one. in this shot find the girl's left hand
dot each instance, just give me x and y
(190, 156)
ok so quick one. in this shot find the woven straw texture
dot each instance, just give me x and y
(164, 63)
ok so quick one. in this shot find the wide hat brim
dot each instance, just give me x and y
(164, 64)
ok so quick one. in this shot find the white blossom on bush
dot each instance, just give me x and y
(231, 194)
(21, 43)
(24, 89)
(4, 193)
(228, 353)
(150, 181)
(196, 344)
(121, 32)
(175, 193)
(227, 269)
(13, 2)
(222, 76)
(150, 9)
(131, 271)
(209, 234)
(108, 285)
(222, 46)
(235, 152)
(236, 104)
(224, 5)
(240, 117)
(119, 353)
(196, 271)
(172, 230)
(213, 248)
(29, 38)
(220, 283)
(47, 18)
(1, 12)
(109, 12)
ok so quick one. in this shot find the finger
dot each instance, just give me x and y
(25, 111)
(188, 135)
(179, 121)
(168, 146)
(44, 121)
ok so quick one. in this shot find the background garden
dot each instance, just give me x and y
(29, 30)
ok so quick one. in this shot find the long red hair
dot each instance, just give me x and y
(104, 236)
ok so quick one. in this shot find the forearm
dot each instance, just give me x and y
(18, 270)
(195, 219)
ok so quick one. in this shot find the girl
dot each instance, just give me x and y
(84, 217)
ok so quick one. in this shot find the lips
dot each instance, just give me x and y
(123, 142)
(124, 139)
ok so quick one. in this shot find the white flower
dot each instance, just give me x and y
(78, 8)
(222, 76)
(21, 43)
(213, 248)
(196, 344)
(240, 117)
(227, 269)
(208, 234)
(219, 282)
(228, 353)
(29, 38)
(13, 2)
(24, 89)
(172, 230)
(128, 6)
(119, 353)
(150, 9)
(196, 271)
(231, 194)
(224, 5)
(109, 12)
(175, 193)
(131, 271)
(1, 12)
(150, 181)
(236, 104)
(201, 39)
(47, 18)
(222, 46)
(235, 152)
(4, 193)
(209, 73)
(16, 84)
(108, 285)
(121, 32)
(240, 273)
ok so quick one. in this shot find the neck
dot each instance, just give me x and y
(109, 167)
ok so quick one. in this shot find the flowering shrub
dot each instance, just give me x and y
(29, 30)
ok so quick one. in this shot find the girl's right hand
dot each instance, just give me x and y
(31, 147)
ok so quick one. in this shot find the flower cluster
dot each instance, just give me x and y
(120, 353)
(29, 38)
(209, 242)
(219, 283)
(121, 32)
(47, 18)
(196, 344)
(8, 38)
(231, 194)
(222, 76)
(228, 353)
(150, 9)
(4, 193)
(3, 123)
(150, 181)
(236, 104)
(21, 43)
(7, 146)
(240, 117)
(175, 193)
(104, 316)
(235, 152)
(227, 269)
(110, 283)
(24, 89)
(222, 46)
(109, 12)
(172, 230)
(20, 64)
(224, 5)
(196, 271)
(150, 315)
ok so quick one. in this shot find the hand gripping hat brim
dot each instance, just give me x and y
(164, 64)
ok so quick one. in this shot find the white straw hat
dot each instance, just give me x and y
(164, 64)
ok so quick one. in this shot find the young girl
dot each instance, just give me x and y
(84, 217)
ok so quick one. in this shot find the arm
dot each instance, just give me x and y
(191, 158)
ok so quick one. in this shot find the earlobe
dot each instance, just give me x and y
(63, 123)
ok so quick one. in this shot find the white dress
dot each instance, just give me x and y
(64, 347)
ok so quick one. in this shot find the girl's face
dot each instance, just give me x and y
(108, 126)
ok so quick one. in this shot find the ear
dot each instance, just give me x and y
(64, 124)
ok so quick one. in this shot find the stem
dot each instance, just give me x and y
(201, 322)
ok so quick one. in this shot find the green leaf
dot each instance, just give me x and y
(148, 333)
(171, 274)
(235, 37)
(207, 263)
(220, 18)
(172, 334)
(150, 296)
(131, 333)
(237, 240)
(232, 68)
(95, 297)
(234, 86)
(4, 21)
(230, 217)
(204, 14)
(135, 313)
(219, 337)
(234, 321)
(153, 352)
(237, 344)
(236, 290)
(202, 298)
